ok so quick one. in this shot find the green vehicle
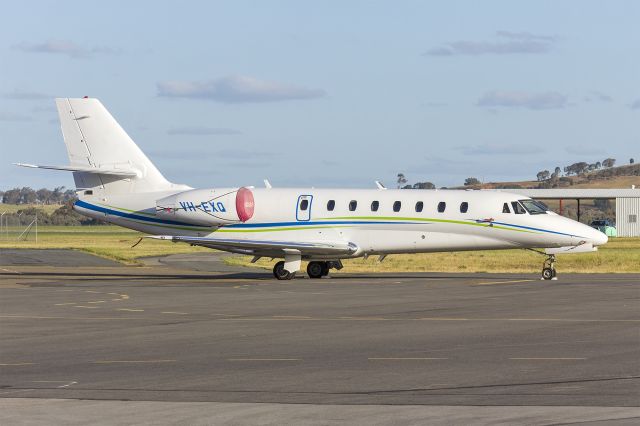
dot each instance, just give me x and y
(605, 226)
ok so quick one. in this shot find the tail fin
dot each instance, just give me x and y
(95, 140)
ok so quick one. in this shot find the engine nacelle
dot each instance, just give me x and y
(213, 207)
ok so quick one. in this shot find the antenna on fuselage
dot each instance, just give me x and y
(380, 185)
(267, 184)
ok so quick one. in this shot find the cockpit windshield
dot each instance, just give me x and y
(534, 207)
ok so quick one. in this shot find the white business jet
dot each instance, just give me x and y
(117, 183)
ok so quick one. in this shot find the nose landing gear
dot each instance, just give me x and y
(549, 268)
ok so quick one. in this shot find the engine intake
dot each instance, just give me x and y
(212, 207)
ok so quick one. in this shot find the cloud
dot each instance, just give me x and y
(584, 150)
(497, 149)
(10, 116)
(241, 154)
(202, 131)
(25, 95)
(635, 104)
(65, 47)
(595, 96)
(513, 99)
(434, 104)
(236, 89)
(508, 43)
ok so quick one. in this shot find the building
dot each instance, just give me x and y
(627, 203)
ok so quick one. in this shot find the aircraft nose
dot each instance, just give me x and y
(596, 237)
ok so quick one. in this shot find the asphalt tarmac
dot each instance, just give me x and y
(187, 330)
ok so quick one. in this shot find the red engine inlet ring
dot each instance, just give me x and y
(244, 204)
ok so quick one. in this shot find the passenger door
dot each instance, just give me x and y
(303, 208)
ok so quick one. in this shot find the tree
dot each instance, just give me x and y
(557, 171)
(609, 162)
(401, 180)
(471, 181)
(543, 175)
(424, 185)
(631, 161)
(598, 164)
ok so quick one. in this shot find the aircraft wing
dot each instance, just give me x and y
(264, 247)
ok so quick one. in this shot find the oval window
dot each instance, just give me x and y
(396, 206)
(419, 206)
(442, 206)
(375, 205)
(353, 205)
(464, 207)
(331, 204)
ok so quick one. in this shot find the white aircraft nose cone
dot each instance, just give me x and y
(597, 238)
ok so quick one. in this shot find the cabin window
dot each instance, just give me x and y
(534, 207)
(396, 206)
(375, 205)
(304, 204)
(505, 208)
(464, 207)
(442, 206)
(353, 205)
(419, 206)
(331, 204)
(517, 208)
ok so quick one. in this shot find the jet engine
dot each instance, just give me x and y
(209, 207)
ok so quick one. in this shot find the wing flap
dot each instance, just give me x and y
(253, 246)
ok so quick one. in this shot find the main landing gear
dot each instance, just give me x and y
(315, 269)
(318, 269)
(282, 274)
(549, 268)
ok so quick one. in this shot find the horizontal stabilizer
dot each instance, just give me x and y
(86, 169)
(582, 248)
(257, 246)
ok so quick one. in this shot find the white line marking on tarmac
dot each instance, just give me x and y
(130, 310)
(263, 359)
(16, 364)
(142, 361)
(67, 385)
(404, 358)
(86, 307)
(10, 271)
(175, 313)
(504, 282)
(548, 359)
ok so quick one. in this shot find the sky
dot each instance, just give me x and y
(327, 94)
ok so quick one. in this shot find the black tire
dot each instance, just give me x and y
(280, 273)
(325, 269)
(548, 273)
(315, 269)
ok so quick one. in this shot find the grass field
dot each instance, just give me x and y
(619, 255)
(107, 241)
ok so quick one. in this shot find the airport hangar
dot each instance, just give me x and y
(627, 203)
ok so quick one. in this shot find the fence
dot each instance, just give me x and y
(18, 227)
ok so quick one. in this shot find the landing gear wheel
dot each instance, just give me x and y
(282, 274)
(317, 269)
(549, 268)
(325, 269)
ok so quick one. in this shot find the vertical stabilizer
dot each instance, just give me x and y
(95, 139)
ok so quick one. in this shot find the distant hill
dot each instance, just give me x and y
(613, 177)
